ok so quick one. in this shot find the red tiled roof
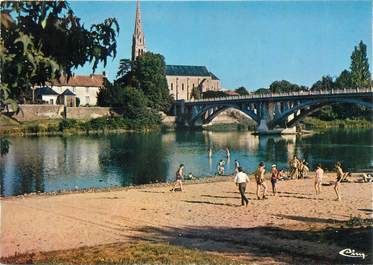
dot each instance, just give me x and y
(80, 80)
(231, 93)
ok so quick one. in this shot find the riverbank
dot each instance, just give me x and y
(315, 123)
(293, 227)
(9, 127)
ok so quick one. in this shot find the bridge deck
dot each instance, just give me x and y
(359, 92)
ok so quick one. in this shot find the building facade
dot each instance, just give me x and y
(181, 79)
(84, 87)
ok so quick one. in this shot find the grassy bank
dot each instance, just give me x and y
(315, 123)
(124, 253)
(70, 126)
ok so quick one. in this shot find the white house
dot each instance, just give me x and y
(85, 87)
(46, 94)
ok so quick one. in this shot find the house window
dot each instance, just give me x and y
(87, 100)
(182, 86)
(172, 86)
(51, 101)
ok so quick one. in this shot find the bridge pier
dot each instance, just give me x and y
(262, 126)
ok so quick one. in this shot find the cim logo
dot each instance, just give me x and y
(351, 253)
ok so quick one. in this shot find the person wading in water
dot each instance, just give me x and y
(236, 166)
(228, 153)
(179, 177)
(259, 177)
(241, 179)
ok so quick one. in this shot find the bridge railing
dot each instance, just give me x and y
(300, 93)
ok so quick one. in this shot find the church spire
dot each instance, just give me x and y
(138, 40)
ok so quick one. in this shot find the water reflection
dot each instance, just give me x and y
(55, 163)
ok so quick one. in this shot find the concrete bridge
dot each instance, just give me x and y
(269, 111)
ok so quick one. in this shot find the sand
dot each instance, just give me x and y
(206, 216)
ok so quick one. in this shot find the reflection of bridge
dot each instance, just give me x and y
(269, 110)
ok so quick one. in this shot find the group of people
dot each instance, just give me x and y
(241, 179)
(298, 169)
(337, 185)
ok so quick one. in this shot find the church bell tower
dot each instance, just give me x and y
(138, 40)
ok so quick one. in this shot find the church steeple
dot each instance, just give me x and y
(138, 40)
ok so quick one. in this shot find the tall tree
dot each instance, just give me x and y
(149, 74)
(360, 75)
(124, 72)
(40, 40)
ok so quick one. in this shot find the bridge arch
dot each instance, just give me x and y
(310, 106)
(216, 110)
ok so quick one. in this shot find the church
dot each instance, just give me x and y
(181, 79)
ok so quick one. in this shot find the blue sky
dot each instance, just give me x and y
(244, 43)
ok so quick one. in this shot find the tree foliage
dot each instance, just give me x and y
(40, 40)
(262, 91)
(124, 72)
(242, 91)
(196, 93)
(149, 74)
(213, 94)
(4, 146)
(326, 83)
(344, 80)
(284, 86)
(132, 101)
(360, 75)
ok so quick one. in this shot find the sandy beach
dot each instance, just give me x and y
(207, 216)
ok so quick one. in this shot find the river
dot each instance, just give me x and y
(51, 163)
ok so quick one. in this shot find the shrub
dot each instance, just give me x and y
(68, 124)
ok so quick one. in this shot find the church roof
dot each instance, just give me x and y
(187, 70)
(214, 77)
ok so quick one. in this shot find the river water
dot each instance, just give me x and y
(51, 163)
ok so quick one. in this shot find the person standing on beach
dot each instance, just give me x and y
(274, 177)
(179, 177)
(294, 163)
(241, 179)
(318, 178)
(337, 186)
(259, 177)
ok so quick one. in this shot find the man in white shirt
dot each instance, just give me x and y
(241, 179)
